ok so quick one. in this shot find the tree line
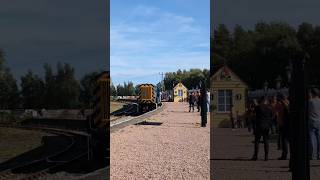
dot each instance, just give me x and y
(125, 89)
(191, 79)
(57, 90)
(263, 53)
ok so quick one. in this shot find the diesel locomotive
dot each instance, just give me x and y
(149, 97)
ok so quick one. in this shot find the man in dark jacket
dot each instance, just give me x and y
(203, 106)
(264, 115)
(191, 102)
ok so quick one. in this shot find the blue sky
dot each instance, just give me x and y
(149, 37)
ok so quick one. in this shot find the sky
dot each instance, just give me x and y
(152, 37)
(35, 32)
(249, 12)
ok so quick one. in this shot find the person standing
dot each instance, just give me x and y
(197, 99)
(314, 123)
(208, 101)
(263, 122)
(250, 117)
(273, 102)
(191, 102)
(203, 104)
(238, 120)
(283, 119)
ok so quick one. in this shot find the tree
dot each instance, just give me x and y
(191, 79)
(136, 90)
(1, 60)
(113, 90)
(62, 89)
(130, 89)
(120, 90)
(222, 43)
(69, 88)
(50, 97)
(87, 86)
(32, 91)
(9, 94)
(261, 54)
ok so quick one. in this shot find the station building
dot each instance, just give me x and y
(228, 96)
(180, 93)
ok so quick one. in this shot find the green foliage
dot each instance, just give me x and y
(191, 79)
(87, 86)
(32, 91)
(127, 89)
(262, 54)
(9, 94)
(113, 90)
(62, 90)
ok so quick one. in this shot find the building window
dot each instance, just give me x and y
(180, 93)
(224, 100)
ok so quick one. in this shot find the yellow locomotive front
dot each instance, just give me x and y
(147, 97)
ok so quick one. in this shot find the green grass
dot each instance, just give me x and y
(9, 119)
(14, 142)
(115, 106)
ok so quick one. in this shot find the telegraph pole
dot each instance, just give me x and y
(162, 79)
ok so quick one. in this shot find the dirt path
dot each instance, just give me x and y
(176, 149)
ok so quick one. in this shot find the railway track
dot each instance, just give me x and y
(127, 110)
(43, 167)
(121, 122)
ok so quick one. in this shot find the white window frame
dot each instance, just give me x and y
(225, 104)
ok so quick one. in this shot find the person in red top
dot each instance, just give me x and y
(282, 119)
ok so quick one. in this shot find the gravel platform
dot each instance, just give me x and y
(170, 145)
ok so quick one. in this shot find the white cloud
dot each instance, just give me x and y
(151, 40)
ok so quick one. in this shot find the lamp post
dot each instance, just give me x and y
(298, 121)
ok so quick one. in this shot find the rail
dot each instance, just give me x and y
(41, 167)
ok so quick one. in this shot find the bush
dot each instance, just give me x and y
(10, 119)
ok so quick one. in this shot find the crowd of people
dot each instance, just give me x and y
(201, 100)
(272, 116)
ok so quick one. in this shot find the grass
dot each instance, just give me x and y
(14, 142)
(115, 106)
(10, 119)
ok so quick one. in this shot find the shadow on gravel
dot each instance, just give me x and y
(181, 111)
(146, 123)
(240, 159)
(229, 159)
